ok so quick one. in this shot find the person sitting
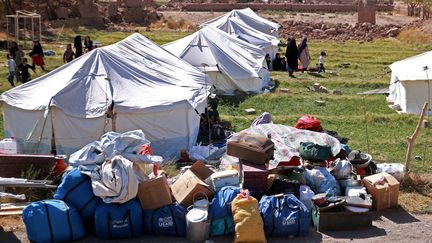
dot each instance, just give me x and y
(269, 62)
(284, 64)
(277, 63)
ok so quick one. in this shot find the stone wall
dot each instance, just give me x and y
(217, 7)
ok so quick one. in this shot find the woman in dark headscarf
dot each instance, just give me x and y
(291, 55)
(303, 52)
(78, 46)
(37, 55)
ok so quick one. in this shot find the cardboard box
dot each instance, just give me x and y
(187, 186)
(201, 170)
(384, 189)
(154, 193)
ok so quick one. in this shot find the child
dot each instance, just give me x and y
(11, 67)
(24, 69)
(321, 67)
(68, 55)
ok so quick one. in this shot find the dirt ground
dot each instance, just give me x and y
(391, 225)
(381, 19)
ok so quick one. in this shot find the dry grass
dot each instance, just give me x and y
(172, 24)
(416, 193)
(414, 36)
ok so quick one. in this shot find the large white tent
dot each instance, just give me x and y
(250, 18)
(410, 84)
(144, 86)
(230, 66)
(236, 27)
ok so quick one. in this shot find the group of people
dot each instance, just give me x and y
(69, 54)
(294, 55)
(17, 63)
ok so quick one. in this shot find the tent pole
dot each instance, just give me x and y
(366, 126)
(208, 116)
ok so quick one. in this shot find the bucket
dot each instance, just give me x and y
(8, 146)
(197, 225)
(60, 165)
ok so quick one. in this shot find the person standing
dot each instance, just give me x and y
(68, 55)
(277, 64)
(37, 55)
(13, 49)
(321, 67)
(88, 44)
(291, 55)
(11, 68)
(24, 69)
(78, 46)
(303, 52)
(19, 55)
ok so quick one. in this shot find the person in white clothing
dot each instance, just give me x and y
(321, 67)
(11, 67)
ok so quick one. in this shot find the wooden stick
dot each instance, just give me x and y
(413, 137)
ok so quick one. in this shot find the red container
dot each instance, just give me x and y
(254, 176)
(61, 165)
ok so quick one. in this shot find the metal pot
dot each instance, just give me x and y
(197, 225)
(348, 182)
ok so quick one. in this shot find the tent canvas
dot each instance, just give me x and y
(145, 87)
(229, 65)
(250, 18)
(410, 84)
(236, 27)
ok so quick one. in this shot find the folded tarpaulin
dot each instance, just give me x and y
(111, 144)
(287, 141)
(116, 181)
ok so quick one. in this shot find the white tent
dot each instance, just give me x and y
(410, 84)
(142, 84)
(250, 18)
(229, 65)
(236, 27)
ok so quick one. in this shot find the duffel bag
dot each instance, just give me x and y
(115, 221)
(76, 190)
(284, 216)
(52, 221)
(220, 211)
(247, 219)
(168, 220)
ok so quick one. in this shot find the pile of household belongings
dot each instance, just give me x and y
(272, 181)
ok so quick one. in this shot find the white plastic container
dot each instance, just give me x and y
(8, 146)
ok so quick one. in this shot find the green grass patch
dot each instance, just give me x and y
(365, 120)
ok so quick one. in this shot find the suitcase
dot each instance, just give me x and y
(225, 178)
(52, 221)
(115, 221)
(254, 177)
(250, 147)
